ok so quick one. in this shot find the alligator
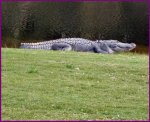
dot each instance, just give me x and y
(82, 45)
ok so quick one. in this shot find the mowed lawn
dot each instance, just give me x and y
(54, 85)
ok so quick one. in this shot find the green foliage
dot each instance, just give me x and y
(92, 20)
(53, 85)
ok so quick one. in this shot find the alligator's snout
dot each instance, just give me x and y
(133, 46)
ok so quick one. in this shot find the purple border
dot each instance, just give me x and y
(74, 120)
(149, 58)
(75, 0)
(0, 61)
(148, 1)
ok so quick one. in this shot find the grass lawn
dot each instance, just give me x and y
(53, 85)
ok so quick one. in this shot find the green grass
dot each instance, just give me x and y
(53, 85)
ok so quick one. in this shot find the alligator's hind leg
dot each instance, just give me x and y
(61, 46)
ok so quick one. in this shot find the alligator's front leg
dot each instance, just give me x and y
(61, 46)
(106, 48)
(96, 49)
(103, 49)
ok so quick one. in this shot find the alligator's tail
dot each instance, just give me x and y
(26, 45)
(35, 46)
(30, 45)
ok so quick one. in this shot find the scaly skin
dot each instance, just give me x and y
(79, 44)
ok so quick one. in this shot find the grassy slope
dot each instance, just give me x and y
(42, 85)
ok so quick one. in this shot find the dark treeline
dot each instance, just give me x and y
(36, 21)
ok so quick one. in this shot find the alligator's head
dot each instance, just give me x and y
(117, 46)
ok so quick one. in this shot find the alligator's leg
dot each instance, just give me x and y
(102, 49)
(96, 49)
(61, 46)
(106, 48)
